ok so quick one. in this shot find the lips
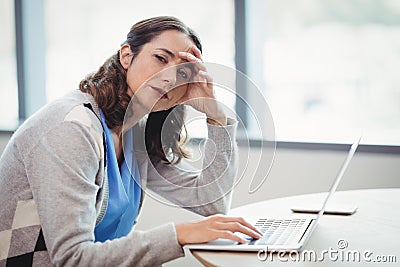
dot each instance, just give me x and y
(161, 92)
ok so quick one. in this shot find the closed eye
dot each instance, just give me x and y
(162, 59)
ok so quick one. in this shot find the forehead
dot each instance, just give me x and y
(173, 40)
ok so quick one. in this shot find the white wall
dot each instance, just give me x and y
(293, 172)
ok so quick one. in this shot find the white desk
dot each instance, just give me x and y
(375, 227)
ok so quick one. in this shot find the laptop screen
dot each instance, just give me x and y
(339, 176)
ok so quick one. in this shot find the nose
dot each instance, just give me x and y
(168, 77)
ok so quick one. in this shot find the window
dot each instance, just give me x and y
(8, 68)
(328, 68)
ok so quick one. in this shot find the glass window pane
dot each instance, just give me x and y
(330, 68)
(8, 68)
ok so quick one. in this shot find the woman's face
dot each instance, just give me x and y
(156, 78)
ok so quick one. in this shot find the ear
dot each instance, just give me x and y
(125, 56)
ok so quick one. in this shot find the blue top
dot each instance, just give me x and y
(124, 190)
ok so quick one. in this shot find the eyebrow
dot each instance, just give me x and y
(167, 51)
(172, 55)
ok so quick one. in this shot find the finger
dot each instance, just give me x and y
(240, 220)
(191, 58)
(230, 235)
(238, 227)
(206, 76)
(203, 77)
(197, 52)
(249, 225)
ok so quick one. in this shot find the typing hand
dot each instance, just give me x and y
(213, 227)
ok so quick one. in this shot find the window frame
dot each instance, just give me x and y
(30, 54)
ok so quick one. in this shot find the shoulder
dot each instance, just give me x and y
(84, 116)
(57, 116)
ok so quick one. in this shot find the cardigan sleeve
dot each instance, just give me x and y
(62, 170)
(207, 191)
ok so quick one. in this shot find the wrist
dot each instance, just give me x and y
(219, 121)
(180, 233)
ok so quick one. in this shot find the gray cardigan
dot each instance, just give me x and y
(53, 191)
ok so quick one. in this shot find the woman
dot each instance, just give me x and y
(71, 191)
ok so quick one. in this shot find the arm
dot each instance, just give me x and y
(62, 171)
(209, 191)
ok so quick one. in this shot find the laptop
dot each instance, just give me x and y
(279, 234)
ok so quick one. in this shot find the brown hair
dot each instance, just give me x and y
(109, 89)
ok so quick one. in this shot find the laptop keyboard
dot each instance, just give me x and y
(278, 232)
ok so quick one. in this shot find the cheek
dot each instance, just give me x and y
(132, 80)
(138, 73)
